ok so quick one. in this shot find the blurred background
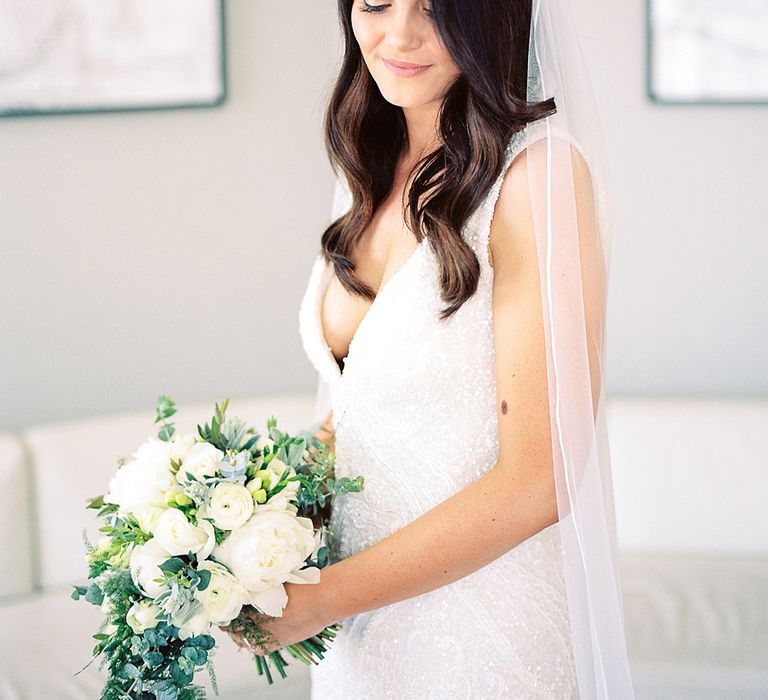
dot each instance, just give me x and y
(161, 247)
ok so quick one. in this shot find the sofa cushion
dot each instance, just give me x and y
(74, 461)
(17, 516)
(690, 474)
(696, 625)
(52, 640)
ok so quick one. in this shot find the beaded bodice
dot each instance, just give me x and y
(415, 413)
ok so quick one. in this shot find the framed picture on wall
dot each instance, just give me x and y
(74, 56)
(707, 51)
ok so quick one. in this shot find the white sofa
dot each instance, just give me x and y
(690, 479)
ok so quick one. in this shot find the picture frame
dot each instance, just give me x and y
(95, 56)
(707, 52)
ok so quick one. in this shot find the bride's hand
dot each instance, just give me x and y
(302, 618)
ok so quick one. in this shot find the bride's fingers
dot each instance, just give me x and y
(245, 643)
(237, 638)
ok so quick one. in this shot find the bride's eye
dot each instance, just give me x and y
(366, 7)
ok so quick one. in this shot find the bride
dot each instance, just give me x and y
(455, 315)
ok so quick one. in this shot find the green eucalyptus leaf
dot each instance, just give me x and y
(205, 579)
(172, 565)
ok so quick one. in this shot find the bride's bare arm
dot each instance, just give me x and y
(516, 498)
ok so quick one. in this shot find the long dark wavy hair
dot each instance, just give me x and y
(481, 110)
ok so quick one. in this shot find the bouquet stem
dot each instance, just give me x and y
(308, 651)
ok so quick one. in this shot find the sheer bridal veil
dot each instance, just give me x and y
(567, 177)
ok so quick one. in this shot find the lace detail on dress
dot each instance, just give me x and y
(415, 413)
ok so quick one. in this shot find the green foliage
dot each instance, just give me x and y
(97, 503)
(158, 664)
(165, 408)
(124, 530)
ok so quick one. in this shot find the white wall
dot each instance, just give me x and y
(687, 295)
(158, 252)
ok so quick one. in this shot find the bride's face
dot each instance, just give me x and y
(402, 31)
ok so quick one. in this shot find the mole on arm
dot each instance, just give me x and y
(504, 407)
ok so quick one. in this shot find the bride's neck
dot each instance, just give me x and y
(423, 133)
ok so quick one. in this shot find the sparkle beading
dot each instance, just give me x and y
(415, 413)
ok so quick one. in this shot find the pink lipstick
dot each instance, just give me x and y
(405, 69)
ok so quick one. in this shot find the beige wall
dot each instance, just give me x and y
(168, 251)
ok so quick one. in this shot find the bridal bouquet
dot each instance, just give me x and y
(197, 527)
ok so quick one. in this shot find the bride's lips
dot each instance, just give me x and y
(405, 69)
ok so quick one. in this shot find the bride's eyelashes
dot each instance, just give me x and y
(367, 7)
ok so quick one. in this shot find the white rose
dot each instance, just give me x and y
(179, 536)
(273, 600)
(181, 445)
(196, 626)
(145, 566)
(224, 596)
(137, 485)
(231, 505)
(142, 616)
(267, 551)
(156, 452)
(147, 517)
(279, 502)
(201, 461)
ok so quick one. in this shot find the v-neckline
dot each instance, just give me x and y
(325, 280)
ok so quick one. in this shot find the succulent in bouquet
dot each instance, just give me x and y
(197, 527)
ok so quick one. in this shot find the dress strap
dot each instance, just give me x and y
(479, 225)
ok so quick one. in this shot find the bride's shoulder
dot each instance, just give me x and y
(533, 153)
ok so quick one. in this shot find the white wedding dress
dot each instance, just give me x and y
(415, 414)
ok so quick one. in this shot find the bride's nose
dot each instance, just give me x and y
(403, 32)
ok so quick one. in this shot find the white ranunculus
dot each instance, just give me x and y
(224, 596)
(231, 505)
(201, 461)
(142, 616)
(145, 566)
(179, 536)
(198, 625)
(268, 551)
